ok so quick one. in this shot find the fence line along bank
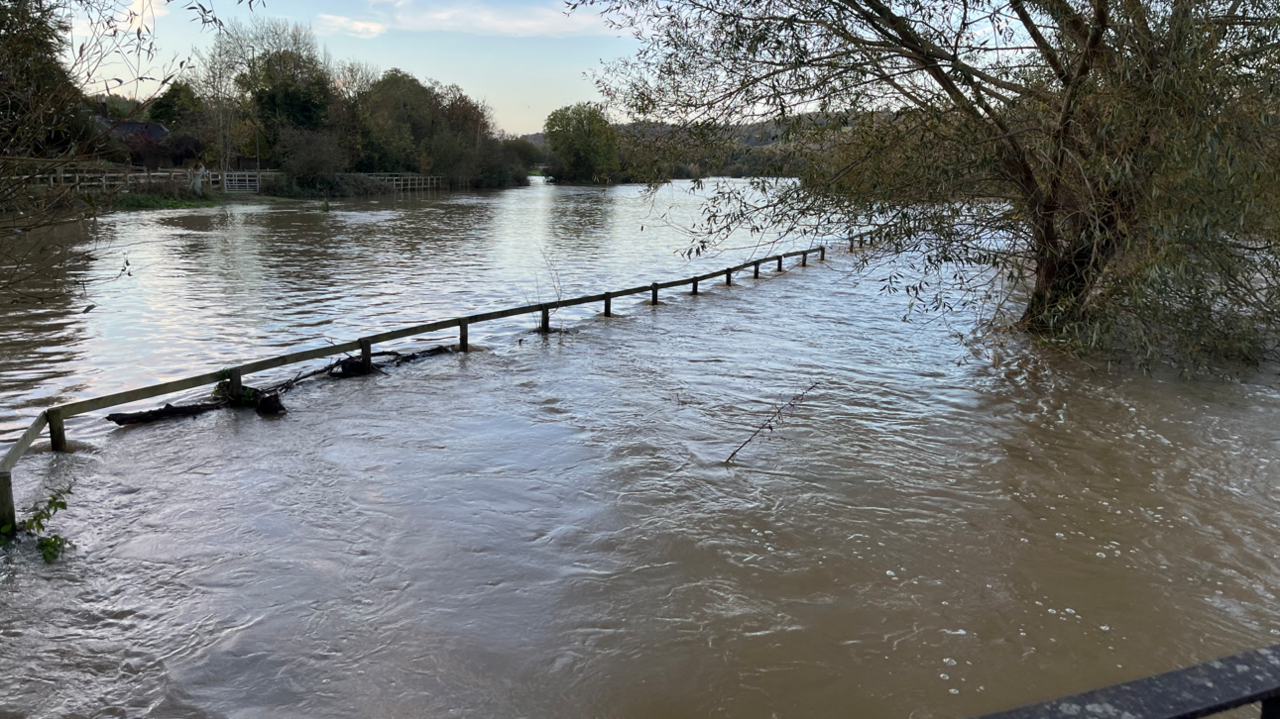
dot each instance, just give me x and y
(230, 181)
(55, 417)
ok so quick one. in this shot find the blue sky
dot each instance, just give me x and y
(525, 58)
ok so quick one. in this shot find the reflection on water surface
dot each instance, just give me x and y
(548, 527)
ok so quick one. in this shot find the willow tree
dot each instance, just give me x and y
(1112, 164)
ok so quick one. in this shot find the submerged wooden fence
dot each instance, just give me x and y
(54, 417)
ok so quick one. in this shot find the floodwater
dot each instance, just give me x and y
(548, 527)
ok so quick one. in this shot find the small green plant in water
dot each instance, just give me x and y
(248, 397)
(51, 546)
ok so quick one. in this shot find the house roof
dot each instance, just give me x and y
(150, 130)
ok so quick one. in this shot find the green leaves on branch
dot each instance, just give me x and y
(51, 546)
(1104, 175)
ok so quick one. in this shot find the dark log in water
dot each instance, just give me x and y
(264, 401)
(165, 412)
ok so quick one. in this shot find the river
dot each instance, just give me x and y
(547, 527)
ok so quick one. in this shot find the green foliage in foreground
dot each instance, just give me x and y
(51, 546)
(146, 201)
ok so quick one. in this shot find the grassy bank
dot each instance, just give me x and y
(149, 201)
(165, 195)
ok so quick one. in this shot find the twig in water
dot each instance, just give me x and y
(773, 419)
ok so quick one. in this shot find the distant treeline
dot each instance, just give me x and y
(583, 146)
(268, 94)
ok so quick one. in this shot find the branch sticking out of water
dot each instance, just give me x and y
(774, 419)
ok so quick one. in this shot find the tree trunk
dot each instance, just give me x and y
(1064, 283)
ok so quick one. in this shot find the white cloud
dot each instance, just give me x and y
(332, 24)
(478, 19)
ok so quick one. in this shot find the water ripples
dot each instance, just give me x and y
(548, 527)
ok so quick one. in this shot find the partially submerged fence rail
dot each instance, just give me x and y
(54, 417)
(1196, 691)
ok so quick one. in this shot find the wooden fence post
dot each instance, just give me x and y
(822, 253)
(654, 290)
(695, 287)
(235, 387)
(8, 516)
(366, 355)
(57, 429)
(804, 259)
(728, 277)
(756, 275)
(546, 320)
(462, 336)
(608, 305)
(779, 263)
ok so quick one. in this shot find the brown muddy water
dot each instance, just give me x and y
(548, 527)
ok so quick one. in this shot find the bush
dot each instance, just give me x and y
(339, 185)
(160, 195)
(182, 148)
(524, 153)
(310, 156)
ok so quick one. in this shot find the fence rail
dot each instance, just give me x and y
(109, 179)
(406, 181)
(231, 181)
(1197, 691)
(54, 417)
(245, 181)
